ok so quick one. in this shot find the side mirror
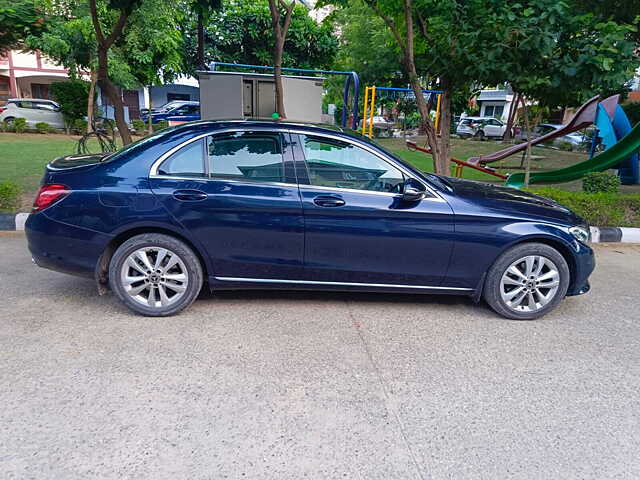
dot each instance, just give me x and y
(412, 191)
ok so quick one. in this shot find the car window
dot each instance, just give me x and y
(337, 164)
(45, 106)
(254, 157)
(186, 162)
(23, 104)
(186, 110)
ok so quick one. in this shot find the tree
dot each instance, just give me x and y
(203, 9)
(280, 21)
(19, 19)
(241, 32)
(122, 10)
(70, 40)
(556, 58)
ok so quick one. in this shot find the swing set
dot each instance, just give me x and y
(370, 94)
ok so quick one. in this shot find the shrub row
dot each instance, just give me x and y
(598, 209)
(9, 197)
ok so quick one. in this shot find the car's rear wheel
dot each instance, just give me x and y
(479, 135)
(155, 275)
(9, 120)
(527, 281)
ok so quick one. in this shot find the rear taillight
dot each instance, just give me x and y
(48, 195)
(2, 109)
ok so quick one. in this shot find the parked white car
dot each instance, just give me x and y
(33, 110)
(481, 127)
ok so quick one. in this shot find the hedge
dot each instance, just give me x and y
(9, 197)
(598, 209)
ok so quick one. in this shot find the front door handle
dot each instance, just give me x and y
(328, 201)
(189, 195)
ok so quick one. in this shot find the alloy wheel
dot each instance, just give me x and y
(154, 277)
(529, 283)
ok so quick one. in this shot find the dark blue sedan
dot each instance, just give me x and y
(240, 205)
(179, 111)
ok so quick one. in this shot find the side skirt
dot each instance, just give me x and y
(239, 283)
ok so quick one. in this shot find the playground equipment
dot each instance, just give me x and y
(612, 127)
(460, 164)
(613, 132)
(351, 79)
(370, 103)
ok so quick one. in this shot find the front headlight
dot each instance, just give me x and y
(581, 233)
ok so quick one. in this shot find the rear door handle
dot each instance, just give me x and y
(189, 195)
(328, 201)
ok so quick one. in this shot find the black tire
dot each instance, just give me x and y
(189, 262)
(9, 120)
(479, 134)
(492, 287)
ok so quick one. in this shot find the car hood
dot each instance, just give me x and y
(512, 200)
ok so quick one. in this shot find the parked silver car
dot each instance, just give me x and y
(576, 139)
(33, 110)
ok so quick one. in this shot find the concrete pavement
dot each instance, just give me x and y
(283, 385)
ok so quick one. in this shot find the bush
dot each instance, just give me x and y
(565, 146)
(598, 209)
(597, 182)
(6, 127)
(72, 95)
(9, 197)
(43, 127)
(162, 124)
(19, 125)
(139, 126)
(79, 126)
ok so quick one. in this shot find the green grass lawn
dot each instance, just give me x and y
(23, 157)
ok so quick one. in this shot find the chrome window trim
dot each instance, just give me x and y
(205, 179)
(340, 284)
(153, 172)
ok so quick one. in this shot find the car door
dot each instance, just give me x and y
(358, 228)
(232, 193)
(493, 128)
(26, 109)
(48, 112)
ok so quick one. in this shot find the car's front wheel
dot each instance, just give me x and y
(527, 281)
(155, 275)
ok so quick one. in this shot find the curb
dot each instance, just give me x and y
(10, 221)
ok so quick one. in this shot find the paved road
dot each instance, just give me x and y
(299, 385)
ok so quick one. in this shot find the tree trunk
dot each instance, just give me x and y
(426, 125)
(200, 54)
(513, 110)
(277, 75)
(90, 101)
(445, 129)
(527, 168)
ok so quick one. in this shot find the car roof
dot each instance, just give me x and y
(478, 118)
(224, 124)
(30, 100)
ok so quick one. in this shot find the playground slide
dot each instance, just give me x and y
(584, 117)
(610, 158)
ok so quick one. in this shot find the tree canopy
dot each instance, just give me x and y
(19, 19)
(242, 32)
